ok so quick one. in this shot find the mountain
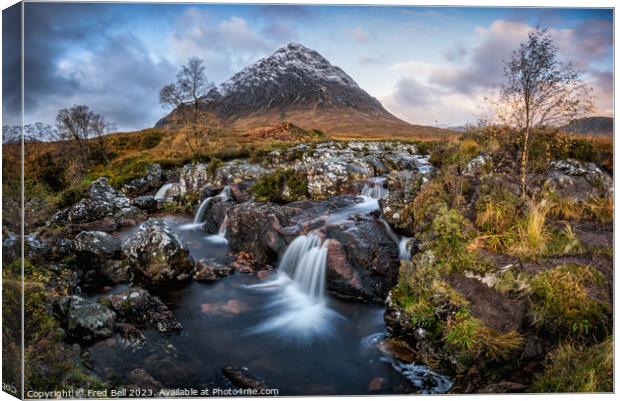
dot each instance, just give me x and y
(591, 125)
(37, 132)
(298, 85)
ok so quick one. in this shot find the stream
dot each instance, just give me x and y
(283, 326)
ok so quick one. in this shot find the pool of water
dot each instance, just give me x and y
(231, 322)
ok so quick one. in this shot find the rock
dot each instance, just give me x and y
(129, 216)
(241, 377)
(503, 387)
(193, 177)
(142, 185)
(393, 208)
(98, 244)
(255, 227)
(377, 384)
(578, 180)
(246, 263)
(215, 214)
(398, 349)
(237, 171)
(231, 307)
(330, 177)
(114, 271)
(138, 307)
(130, 335)
(364, 262)
(147, 203)
(475, 167)
(101, 201)
(157, 256)
(86, 321)
(210, 271)
(144, 381)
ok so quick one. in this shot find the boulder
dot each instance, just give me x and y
(578, 180)
(255, 227)
(138, 307)
(363, 259)
(237, 171)
(193, 178)
(97, 244)
(142, 185)
(393, 209)
(101, 201)
(215, 214)
(129, 216)
(156, 255)
(333, 176)
(86, 321)
(146, 202)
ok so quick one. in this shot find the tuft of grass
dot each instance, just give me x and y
(574, 368)
(530, 233)
(214, 164)
(562, 301)
(282, 185)
(600, 209)
(466, 334)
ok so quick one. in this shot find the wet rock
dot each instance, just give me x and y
(138, 307)
(147, 203)
(130, 335)
(143, 380)
(157, 256)
(215, 214)
(193, 177)
(255, 227)
(210, 271)
(231, 307)
(368, 259)
(142, 185)
(101, 190)
(113, 271)
(86, 321)
(398, 349)
(241, 377)
(377, 384)
(475, 167)
(393, 208)
(330, 177)
(98, 244)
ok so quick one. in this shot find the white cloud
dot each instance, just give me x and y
(359, 35)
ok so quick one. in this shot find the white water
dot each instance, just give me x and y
(200, 213)
(220, 237)
(161, 192)
(375, 188)
(300, 305)
(403, 249)
(421, 376)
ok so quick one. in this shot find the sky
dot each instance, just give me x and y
(427, 65)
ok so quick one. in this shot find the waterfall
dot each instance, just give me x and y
(161, 192)
(200, 214)
(223, 227)
(300, 308)
(375, 188)
(403, 249)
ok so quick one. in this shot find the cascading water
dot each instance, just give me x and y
(404, 253)
(200, 213)
(299, 286)
(161, 192)
(375, 188)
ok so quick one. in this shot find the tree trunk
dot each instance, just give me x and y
(523, 166)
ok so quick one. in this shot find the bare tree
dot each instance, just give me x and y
(185, 96)
(539, 92)
(76, 127)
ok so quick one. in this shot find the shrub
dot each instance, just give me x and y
(214, 164)
(496, 209)
(282, 185)
(563, 305)
(151, 139)
(574, 368)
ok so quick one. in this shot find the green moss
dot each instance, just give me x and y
(451, 234)
(214, 164)
(575, 368)
(563, 302)
(282, 185)
(124, 170)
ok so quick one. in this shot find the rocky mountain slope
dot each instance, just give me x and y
(591, 125)
(298, 85)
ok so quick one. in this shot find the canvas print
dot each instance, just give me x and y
(297, 200)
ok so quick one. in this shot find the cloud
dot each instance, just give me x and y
(11, 66)
(452, 90)
(359, 35)
(119, 80)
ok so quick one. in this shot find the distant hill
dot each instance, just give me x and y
(298, 85)
(591, 125)
(37, 132)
